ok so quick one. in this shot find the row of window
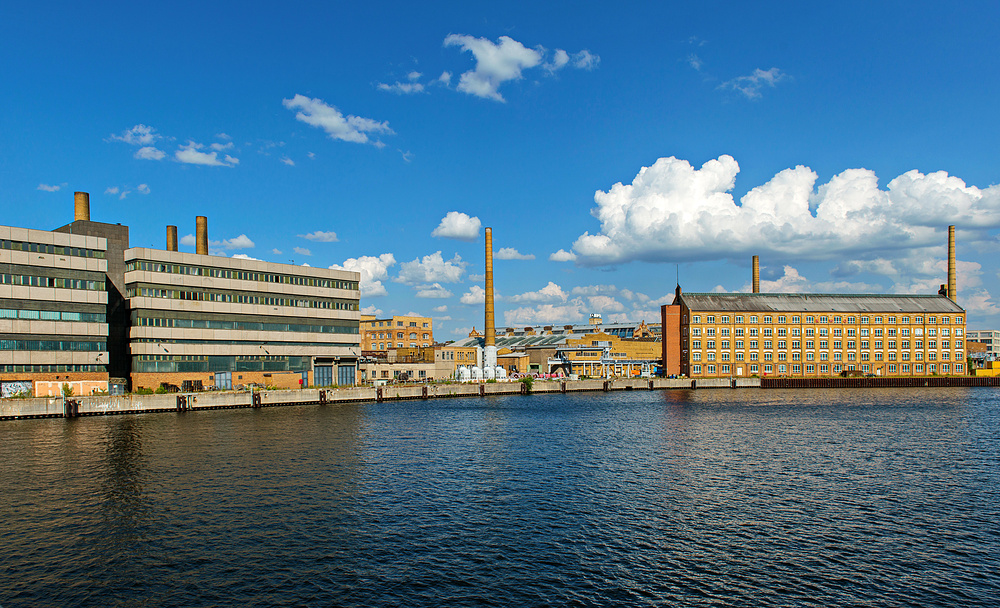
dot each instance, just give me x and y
(255, 343)
(53, 249)
(35, 281)
(822, 332)
(399, 336)
(45, 369)
(824, 356)
(824, 319)
(53, 315)
(225, 273)
(891, 369)
(52, 345)
(177, 363)
(384, 345)
(212, 296)
(243, 325)
(398, 324)
(825, 344)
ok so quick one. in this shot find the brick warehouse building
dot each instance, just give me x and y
(758, 334)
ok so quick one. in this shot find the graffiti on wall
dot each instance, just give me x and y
(15, 388)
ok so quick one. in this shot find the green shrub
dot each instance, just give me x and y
(142, 390)
(160, 390)
(67, 390)
(529, 381)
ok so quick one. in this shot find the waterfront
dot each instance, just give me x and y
(820, 497)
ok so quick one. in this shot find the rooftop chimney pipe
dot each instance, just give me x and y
(952, 287)
(490, 329)
(81, 206)
(756, 274)
(201, 235)
(171, 238)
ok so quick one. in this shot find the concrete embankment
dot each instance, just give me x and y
(179, 402)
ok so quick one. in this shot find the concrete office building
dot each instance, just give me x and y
(218, 322)
(53, 312)
(990, 338)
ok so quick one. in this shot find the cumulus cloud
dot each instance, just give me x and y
(321, 237)
(276, 251)
(142, 188)
(301, 251)
(240, 242)
(545, 314)
(288, 161)
(562, 256)
(475, 296)
(434, 290)
(149, 153)
(674, 212)
(594, 290)
(477, 278)
(139, 135)
(442, 308)
(243, 256)
(444, 78)
(373, 271)
(585, 60)
(559, 60)
(431, 268)
(402, 88)
(111, 190)
(188, 240)
(509, 253)
(317, 113)
(495, 63)
(191, 154)
(48, 188)
(372, 310)
(549, 293)
(457, 225)
(750, 86)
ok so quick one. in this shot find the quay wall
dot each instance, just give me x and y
(57, 407)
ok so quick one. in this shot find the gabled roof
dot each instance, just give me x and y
(819, 303)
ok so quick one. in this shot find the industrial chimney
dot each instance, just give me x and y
(490, 350)
(171, 238)
(952, 286)
(201, 235)
(756, 274)
(81, 206)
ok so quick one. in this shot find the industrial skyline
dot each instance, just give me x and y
(837, 144)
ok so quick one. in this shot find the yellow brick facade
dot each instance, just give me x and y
(382, 335)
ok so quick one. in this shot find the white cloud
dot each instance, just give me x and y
(48, 188)
(495, 63)
(604, 304)
(559, 60)
(288, 161)
(142, 188)
(407, 156)
(240, 242)
(321, 237)
(594, 290)
(442, 308)
(694, 61)
(585, 60)
(190, 154)
(509, 253)
(549, 293)
(112, 190)
(373, 271)
(476, 295)
(434, 290)
(457, 225)
(431, 269)
(301, 251)
(317, 113)
(444, 78)
(276, 251)
(545, 314)
(751, 85)
(371, 310)
(219, 147)
(243, 256)
(476, 278)
(402, 88)
(979, 302)
(188, 240)
(222, 136)
(139, 135)
(562, 256)
(149, 153)
(672, 212)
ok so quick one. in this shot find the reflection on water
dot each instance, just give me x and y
(825, 497)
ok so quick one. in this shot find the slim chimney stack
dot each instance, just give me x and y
(201, 235)
(490, 329)
(756, 274)
(81, 206)
(171, 238)
(952, 286)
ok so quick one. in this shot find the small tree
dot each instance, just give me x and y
(67, 390)
(528, 380)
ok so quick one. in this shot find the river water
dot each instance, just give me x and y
(711, 497)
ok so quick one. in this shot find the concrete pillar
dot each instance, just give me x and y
(81, 206)
(171, 238)
(952, 286)
(201, 235)
(756, 274)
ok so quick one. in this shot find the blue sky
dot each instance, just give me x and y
(609, 145)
